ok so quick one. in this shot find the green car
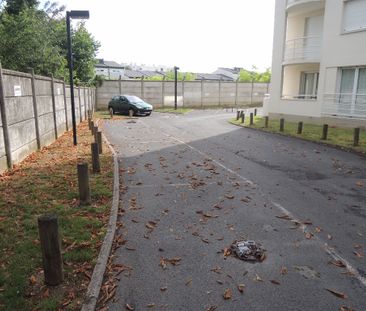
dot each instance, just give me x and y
(129, 104)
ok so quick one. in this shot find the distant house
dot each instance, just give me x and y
(133, 74)
(232, 73)
(212, 77)
(109, 69)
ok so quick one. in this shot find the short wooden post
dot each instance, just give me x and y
(237, 115)
(95, 157)
(130, 113)
(356, 137)
(266, 122)
(92, 126)
(89, 123)
(84, 187)
(100, 142)
(51, 249)
(299, 128)
(282, 125)
(111, 112)
(255, 111)
(251, 119)
(95, 133)
(242, 118)
(325, 132)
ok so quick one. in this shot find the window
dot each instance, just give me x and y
(309, 85)
(352, 89)
(354, 15)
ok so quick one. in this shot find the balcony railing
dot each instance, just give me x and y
(345, 105)
(292, 2)
(300, 97)
(303, 49)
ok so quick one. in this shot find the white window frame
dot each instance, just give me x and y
(302, 85)
(343, 30)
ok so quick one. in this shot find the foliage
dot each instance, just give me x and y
(255, 76)
(14, 7)
(36, 38)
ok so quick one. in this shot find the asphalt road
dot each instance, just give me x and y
(193, 184)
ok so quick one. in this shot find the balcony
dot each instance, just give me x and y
(292, 3)
(302, 50)
(345, 105)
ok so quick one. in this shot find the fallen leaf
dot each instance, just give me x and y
(359, 183)
(275, 282)
(336, 293)
(283, 270)
(257, 278)
(241, 288)
(229, 196)
(338, 263)
(220, 282)
(358, 254)
(287, 217)
(150, 305)
(308, 235)
(129, 307)
(189, 281)
(205, 240)
(330, 237)
(227, 294)
(46, 293)
(212, 308)
(33, 280)
(345, 308)
(307, 222)
(227, 252)
(317, 229)
(163, 289)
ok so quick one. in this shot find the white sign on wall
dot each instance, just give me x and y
(58, 91)
(17, 90)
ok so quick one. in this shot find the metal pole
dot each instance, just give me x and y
(175, 86)
(69, 58)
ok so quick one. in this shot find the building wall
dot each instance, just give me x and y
(190, 93)
(53, 106)
(338, 50)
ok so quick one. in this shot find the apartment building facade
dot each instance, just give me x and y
(319, 59)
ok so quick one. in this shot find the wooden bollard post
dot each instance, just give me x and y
(84, 187)
(100, 142)
(356, 137)
(95, 133)
(255, 111)
(282, 125)
(242, 117)
(325, 132)
(95, 157)
(299, 128)
(89, 123)
(266, 122)
(251, 119)
(92, 126)
(237, 115)
(111, 112)
(51, 249)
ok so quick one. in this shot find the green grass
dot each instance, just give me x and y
(180, 110)
(337, 136)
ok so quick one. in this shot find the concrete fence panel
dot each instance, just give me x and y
(190, 93)
(35, 110)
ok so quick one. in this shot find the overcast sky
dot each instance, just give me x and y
(196, 35)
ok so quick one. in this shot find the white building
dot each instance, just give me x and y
(109, 69)
(319, 60)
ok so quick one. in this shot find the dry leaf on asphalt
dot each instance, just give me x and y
(150, 305)
(229, 196)
(212, 308)
(283, 270)
(330, 237)
(308, 235)
(227, 294)
(345, 308)
(257, 278)
(336, 293)
(286, 217)
(129, 307)
(275, 282)
(338, 263)
(241, 288)
(358, 254)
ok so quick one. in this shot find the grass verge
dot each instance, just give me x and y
(46, 182)
(337, 136)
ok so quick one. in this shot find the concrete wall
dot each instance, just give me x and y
(35, 119)
(190, 93)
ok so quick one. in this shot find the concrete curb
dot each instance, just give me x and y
(95, 284)
(346, 149)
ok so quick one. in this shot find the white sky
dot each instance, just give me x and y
(195, 35)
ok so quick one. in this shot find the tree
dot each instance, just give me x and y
(14, 7)
(255, 76)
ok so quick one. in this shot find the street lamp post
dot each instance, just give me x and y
(175, 86)
(74, 15)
